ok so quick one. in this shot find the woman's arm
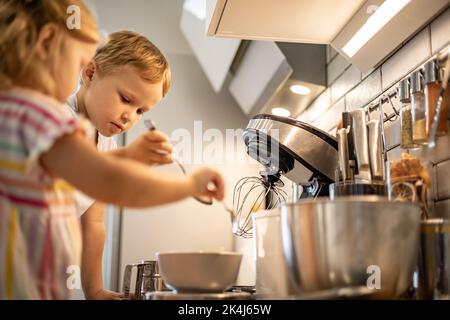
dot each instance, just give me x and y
(121, 181)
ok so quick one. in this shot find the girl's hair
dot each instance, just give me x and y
(20, 24)
(130, 48)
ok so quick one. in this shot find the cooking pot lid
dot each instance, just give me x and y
(290, 146)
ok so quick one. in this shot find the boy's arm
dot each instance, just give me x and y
(121, 181)
(93, 225)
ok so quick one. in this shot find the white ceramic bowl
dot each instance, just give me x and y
(199, 271)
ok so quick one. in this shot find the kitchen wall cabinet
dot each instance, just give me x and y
(304, 21)
(411, 18)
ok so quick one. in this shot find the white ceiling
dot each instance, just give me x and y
(159, 20)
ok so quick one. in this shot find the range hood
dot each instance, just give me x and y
(268, 70)
(215, 55)
(258, 74)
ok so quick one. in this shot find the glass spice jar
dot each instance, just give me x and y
(433, 83)
(406, 123)
(418, 108)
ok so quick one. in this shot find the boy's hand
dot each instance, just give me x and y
(104, 295)
(152, 148)
(208, 182)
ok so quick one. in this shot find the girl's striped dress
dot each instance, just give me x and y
(40, 240)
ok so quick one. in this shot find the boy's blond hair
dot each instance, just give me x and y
(130, 48)
(20, 24)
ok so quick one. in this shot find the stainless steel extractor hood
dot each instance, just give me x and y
(262, 72)
(266, 72)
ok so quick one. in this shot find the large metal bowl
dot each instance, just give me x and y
(351, 242)
(199, 272)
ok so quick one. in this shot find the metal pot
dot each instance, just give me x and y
(141, 278)
(434, 260)
(351, 241)
(272, 280)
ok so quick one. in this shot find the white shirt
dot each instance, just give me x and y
(104, 144)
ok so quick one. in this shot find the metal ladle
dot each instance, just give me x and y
(234, 222)
(233, 218)
(444, 84)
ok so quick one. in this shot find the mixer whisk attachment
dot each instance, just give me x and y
(256, 193)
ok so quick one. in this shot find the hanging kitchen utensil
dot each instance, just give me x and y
(347, 122)
(445, 78)
(370, 177)
(361, 145)
(343, 154)
(375, 151)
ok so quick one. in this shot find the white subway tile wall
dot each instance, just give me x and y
(443, 179)
(406, 59)
(388, 108)
(392, 132)
(395, 153)
(350, 78)
(351, 89)
(320, 105)
(331, 118)
(304, 117)
(438, 154)
(335, 68)
(367, 73)
(442, 209)
(440, 29)
(365, 91)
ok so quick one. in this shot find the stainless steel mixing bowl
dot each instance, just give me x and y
(366, 241)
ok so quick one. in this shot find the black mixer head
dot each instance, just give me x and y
(271, 178)
(269, 153)
(285, 145)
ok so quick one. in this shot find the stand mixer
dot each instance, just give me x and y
(285, 147)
